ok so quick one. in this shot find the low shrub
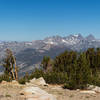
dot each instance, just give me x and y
(22, 81)
(55, 77)
(5, 78)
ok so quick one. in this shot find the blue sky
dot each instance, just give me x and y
(27, 20)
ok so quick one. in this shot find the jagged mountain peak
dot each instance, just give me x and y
(78, 36)
(29, 54)
(90, 37)
(68, 40)
(53, 40)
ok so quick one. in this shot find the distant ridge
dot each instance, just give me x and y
(30, 54)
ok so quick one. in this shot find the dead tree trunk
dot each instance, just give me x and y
(16, 71)
(12, 72)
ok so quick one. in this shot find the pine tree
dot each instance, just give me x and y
(84, 71)
(97, 58)
(9, 63)
(46, 62)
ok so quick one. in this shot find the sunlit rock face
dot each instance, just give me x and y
(35, 93)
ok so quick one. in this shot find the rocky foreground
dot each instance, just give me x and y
(37, 89)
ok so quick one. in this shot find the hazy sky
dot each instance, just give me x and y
(35, 19)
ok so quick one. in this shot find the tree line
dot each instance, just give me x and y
(74, 70)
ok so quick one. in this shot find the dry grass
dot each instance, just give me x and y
(12, 92)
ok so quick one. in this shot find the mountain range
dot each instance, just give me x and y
(30, 54)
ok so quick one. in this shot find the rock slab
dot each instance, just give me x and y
(35, 93)
(39, 81)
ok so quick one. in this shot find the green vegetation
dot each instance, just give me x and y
(5, 78)
(22, 81)
(7, 95)
(9, 64)
(71, 69)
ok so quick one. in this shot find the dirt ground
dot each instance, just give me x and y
(12, 92)
(65, 94)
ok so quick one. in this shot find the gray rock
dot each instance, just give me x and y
(39, 81)
(35, 93)
(96, 89)
(88, 92)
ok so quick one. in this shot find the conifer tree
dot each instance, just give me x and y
(9, 63)
(83, 71)
(46, 62)
(98, 58)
